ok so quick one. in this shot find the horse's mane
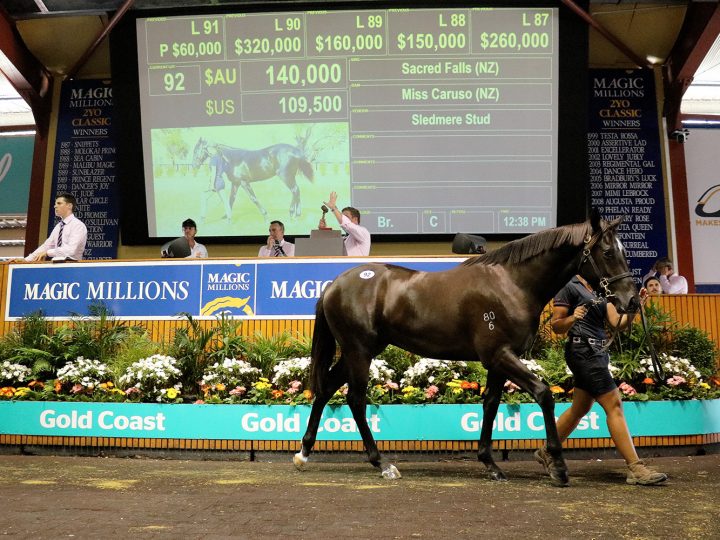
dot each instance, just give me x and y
(525, 248)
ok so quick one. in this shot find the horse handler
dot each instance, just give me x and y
(581, 313)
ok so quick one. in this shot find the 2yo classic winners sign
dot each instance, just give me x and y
(263, 289)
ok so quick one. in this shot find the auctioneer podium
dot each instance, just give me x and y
(321, 242)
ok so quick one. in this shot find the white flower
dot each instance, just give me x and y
(88, 372)
(231, 373)
(14, 373)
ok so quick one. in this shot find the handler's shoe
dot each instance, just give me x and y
(640, 474)
(543, 458)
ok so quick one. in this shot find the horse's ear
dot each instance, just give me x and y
(595, 219)
(615, 222)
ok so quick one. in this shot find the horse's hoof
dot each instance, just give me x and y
(497, 476)
(559, 478)
(391, 473)
(299, 461)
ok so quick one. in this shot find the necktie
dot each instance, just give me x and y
(62, 226)
(276, 250)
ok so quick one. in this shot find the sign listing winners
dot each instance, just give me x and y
(85, 162)
(437, 85)
(624, 158)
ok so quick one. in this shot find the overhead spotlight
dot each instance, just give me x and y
(680, 135)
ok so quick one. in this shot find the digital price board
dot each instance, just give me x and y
(429, 121)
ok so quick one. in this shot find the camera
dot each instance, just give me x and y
(680, 135)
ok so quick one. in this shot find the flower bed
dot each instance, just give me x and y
(102, 360)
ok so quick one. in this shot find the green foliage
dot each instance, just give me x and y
(191, 349)
(264, 352)
(552, 359)
(694, 344)
(398, 359)
(227, 341)
(137, 344)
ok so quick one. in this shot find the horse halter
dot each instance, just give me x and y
(590, 241)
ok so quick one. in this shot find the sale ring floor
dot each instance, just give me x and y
(99, 497)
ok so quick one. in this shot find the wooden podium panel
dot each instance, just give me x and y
(322, 242)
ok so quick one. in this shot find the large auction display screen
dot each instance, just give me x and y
(429, 121)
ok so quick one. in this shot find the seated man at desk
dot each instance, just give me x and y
(276, 245)
(67, 240)
(357, 241)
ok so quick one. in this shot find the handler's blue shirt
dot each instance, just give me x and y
(593, 324)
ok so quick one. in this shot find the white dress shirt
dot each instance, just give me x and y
(74, 238)
(198, 251)
(673, 284)
(287, 247)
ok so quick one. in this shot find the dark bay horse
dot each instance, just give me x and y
(486, 309)
(243, 167)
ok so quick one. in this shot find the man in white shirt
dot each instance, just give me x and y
(357, 241)
(67, 240)
(276, 245)
(197, 250)
(670, 282)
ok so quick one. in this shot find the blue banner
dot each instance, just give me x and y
(285, 288)
(387, 422)
(85, 163)
(625, 162)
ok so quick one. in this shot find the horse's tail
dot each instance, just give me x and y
(306, 168)
(323, 349)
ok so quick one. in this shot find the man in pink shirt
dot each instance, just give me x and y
(670, 282)
(357, 241)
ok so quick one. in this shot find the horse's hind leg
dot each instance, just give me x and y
(358, 375)
(336, 377)
(493, 394)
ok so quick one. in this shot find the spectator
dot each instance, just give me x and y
(357, 241)
(197, 250)
(670, 282)
(276, 245)
(653, 286)
(67, 240)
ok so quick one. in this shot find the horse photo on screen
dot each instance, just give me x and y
(243, 167)
(486, 309)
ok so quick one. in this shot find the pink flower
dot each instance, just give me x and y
(238, 391)
(392, 385)
(511, 387)
(76, 389)
(199, 402)
(676, 380)
(132, 390)
(626, 389)
(431, 391)
(294, 387)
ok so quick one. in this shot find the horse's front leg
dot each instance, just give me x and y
(525, 379)
(249, 190)
(491, 402)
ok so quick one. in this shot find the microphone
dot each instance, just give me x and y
(278, 248)
(324, 210)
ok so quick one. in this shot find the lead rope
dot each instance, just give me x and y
(657, 366)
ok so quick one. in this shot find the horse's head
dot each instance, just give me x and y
(200, 153)
(604, 266)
